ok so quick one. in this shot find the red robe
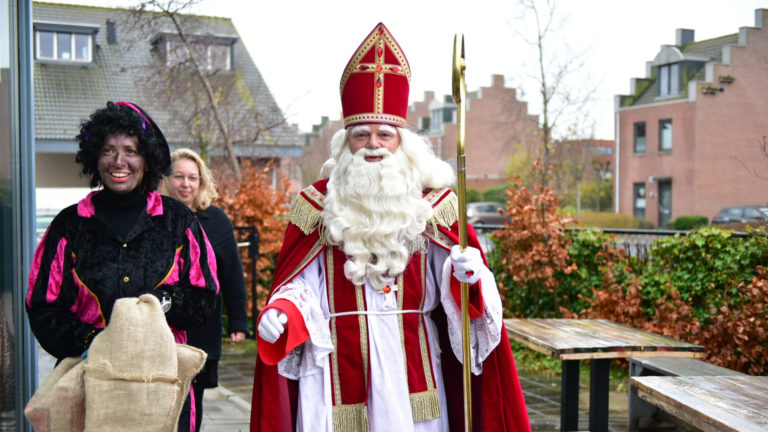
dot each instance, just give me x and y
(498, 403)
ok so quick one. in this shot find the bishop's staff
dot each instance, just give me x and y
(459, 94)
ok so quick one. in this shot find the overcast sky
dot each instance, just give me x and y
(302, 46)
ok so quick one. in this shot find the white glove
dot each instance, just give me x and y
(271, 325)
(467, 265)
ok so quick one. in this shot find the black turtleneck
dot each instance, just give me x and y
(119, 211)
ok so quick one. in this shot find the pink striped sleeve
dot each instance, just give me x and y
(55, 273)
(34, 272)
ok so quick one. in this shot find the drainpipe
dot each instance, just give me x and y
(617, 144)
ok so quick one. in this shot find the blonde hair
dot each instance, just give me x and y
(206, 192)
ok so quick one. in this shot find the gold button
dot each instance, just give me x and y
(125, 245)
(126, 279)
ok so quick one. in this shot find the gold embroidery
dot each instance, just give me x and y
(446, 212)
(304, 215)
(351, 418)
(438, 237)
(400, 300)
(360, 297)
(332, 309)
(425, 406)
(426, 360)
(316, 248)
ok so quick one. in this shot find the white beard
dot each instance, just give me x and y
(375, 213)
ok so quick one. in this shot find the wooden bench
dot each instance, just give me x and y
(646, 417)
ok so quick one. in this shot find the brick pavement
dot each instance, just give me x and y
(227, 408)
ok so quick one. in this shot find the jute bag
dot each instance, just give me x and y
(58, 405)
(136, 376)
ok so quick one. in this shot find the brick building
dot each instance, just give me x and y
(690, 135)
(497, 124)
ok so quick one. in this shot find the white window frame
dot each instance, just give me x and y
(637, 140)
(73, 46)
(669, 80)
(639, 192)
(227, 60)
(207, 62)
(665, 135)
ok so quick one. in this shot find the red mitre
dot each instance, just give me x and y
(374, 87)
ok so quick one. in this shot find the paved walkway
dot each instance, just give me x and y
(227, 408)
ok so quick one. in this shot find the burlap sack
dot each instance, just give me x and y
(58, 405)
(136, 376)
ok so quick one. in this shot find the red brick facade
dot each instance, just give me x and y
(718, 122)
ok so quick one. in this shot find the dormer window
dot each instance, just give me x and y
(213, 53)
(669, 80)
(64, 43)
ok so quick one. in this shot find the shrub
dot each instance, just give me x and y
(608, 220)
(591, 255)
(529, 250)
(706, 267)
(496, 193)
(474, 195)
(254, 202)
(685, 223)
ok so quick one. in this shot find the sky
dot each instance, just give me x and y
(302, 46)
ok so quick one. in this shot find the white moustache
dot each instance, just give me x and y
(365, 152)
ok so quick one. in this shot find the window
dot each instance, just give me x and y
(212, 57)
(665, 135)
(219, 57)
(669, 80)
(665, 202)
(436, 122)
(639, 200)
(64, 46)
(639, 147)
(601, 150)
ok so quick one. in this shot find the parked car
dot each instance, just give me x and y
(741, 214)
(484, 213)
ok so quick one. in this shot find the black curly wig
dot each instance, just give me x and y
(127, 118)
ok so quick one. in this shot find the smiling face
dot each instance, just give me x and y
(120, 166)
(185, 181)
(373, 137)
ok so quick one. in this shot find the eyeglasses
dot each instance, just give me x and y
(180, 178)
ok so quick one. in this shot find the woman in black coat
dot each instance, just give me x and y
(191, 183)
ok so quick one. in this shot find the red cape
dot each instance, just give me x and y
(497, 397)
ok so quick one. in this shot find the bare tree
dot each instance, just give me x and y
(555, 73)
(216, 106)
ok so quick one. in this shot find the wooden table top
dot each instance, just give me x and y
(710, 403)
(576, 339)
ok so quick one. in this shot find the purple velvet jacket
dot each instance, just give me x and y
(81, 267)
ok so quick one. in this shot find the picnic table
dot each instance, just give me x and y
(710, 403)
(600, 341)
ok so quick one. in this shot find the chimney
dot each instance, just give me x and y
(683, 37)
(111, 33)
(498, 80)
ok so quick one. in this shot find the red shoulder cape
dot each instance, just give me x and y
(497, 397)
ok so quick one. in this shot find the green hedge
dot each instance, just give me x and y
(685, 223)
(706, 267)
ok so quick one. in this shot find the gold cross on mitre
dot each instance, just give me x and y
(388, 292)
(375, 84)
